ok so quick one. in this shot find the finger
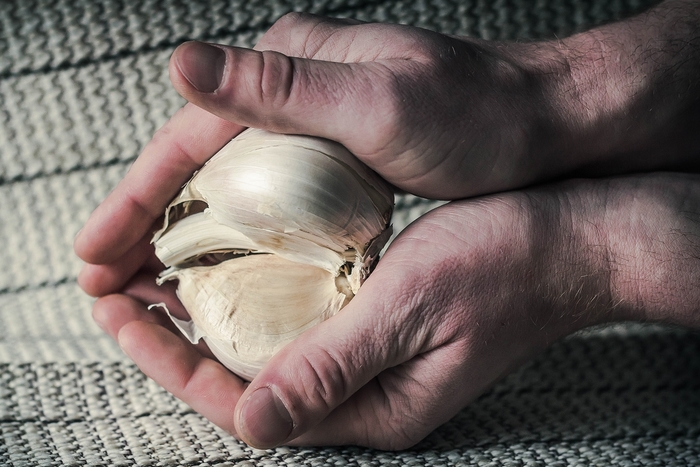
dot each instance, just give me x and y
(101, 279)
(306, 35)
(202, 383)
(179, 148)
(398, 408)
(352, 103)
(321, 369)
(112, 312)
(143, 288)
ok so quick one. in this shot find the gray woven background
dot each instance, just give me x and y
(83, 85)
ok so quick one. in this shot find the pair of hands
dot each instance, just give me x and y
(464, 294)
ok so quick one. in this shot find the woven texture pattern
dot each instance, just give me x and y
(83, 86)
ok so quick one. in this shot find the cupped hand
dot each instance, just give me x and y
(463, 296)
(438, 116)
(435, 115)
(433, 326)
(450, 117)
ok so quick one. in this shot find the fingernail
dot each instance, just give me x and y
(265, 419)
(202, 64)
(100, 320)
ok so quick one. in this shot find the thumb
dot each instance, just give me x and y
(304, 382)
(346, 102)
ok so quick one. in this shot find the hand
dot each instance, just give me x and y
(449, 117)
(395, 96)
(462, 297)
(438, 116)
(365, 104)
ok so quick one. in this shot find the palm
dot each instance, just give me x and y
(425, 313)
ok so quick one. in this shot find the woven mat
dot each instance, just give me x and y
(83, 85)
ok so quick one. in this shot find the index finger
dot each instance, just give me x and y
(179, 148)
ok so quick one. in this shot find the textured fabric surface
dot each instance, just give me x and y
(83, 85)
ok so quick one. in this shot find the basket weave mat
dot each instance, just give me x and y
(83, 85)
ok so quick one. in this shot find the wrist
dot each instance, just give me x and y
(630, 97)
(653, 232)
(634, 247)
(569, 247)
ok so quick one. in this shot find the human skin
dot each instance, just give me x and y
(470, 290)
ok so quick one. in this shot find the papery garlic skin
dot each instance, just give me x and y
(293, 224)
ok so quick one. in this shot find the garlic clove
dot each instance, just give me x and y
(197, 235)
(249, 307)
(307, 187)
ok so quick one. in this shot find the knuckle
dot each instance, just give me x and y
(165, 132)
(276, 78)
(394, 433)
(377, 96)
(292, 19)
(396, 430)
(324, 381)
(161, 138)
(281, 33)
(408, 313)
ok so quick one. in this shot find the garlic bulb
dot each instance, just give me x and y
(274, 234)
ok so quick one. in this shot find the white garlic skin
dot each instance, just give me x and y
(302, 221)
